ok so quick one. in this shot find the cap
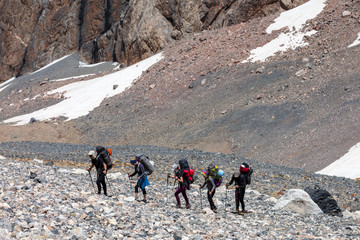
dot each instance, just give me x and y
(174, 167)
(133, 162)
(92, 153)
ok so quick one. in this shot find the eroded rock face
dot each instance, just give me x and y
(35, 33)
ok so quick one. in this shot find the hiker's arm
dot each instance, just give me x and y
(180, 179)
(213, 184)
(105, 168)
(133, 174)
(171, 176)
(231, 181)
(202, 186)
(92, 165)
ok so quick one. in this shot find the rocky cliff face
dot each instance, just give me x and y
(34, 33)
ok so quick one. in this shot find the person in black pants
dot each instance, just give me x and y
(239, 178)
(101, 170)
(209, 181)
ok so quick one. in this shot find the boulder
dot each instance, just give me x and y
(325, 201)
(298, 201)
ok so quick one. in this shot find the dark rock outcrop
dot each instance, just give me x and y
(325, 201)
(33, 34)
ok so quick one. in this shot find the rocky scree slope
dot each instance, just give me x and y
(47, 201)
(33, 34)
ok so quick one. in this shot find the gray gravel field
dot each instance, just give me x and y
(268, 178)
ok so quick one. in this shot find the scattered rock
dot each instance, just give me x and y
(298, 201)
(325, 201)
(346, 13)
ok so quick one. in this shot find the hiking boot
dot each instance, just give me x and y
(187, 206)
(236, 211)
(178, 205)
(145, 201)
(242, 212)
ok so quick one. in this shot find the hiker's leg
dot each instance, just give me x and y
(136, 191)
(178, 191)
(212, 196)
(103, 183)
(144, 193)
(98, 183)
(237, 198)
(212, 206)
(242, 194)
(184, 195)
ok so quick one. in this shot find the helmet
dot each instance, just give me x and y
(220, 173)
(109, 150)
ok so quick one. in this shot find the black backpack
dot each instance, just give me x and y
(105, 155)
(184, 165)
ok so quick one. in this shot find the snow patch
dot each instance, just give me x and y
(347, 166)
(82, 97)
(294, 20)
(70, 78)
(356, 42)
(87, 65)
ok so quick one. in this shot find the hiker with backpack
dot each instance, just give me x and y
(142, 172)
(241, 177)
(213, 178)
(183, 185)
(103, 164)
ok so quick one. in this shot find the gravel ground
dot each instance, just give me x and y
(52, 202)
(269, 179)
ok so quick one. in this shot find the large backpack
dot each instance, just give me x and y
(144, 160)
(105, 155)
(213, 171)
(247, 171)
(188, 172)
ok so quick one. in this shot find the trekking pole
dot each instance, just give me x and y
(92, 181)
(109, 186)
(200, 199)
(129, 182)
(167, 190)
(226, 197)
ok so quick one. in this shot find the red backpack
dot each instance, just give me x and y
(189, 174)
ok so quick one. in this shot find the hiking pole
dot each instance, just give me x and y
(200, 199)
(226, 198)
(109, 186)
(167, 190)
(92, 181)
(130, 182)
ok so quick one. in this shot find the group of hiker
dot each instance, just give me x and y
(182, 173)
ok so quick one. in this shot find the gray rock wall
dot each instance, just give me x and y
(35, 33)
